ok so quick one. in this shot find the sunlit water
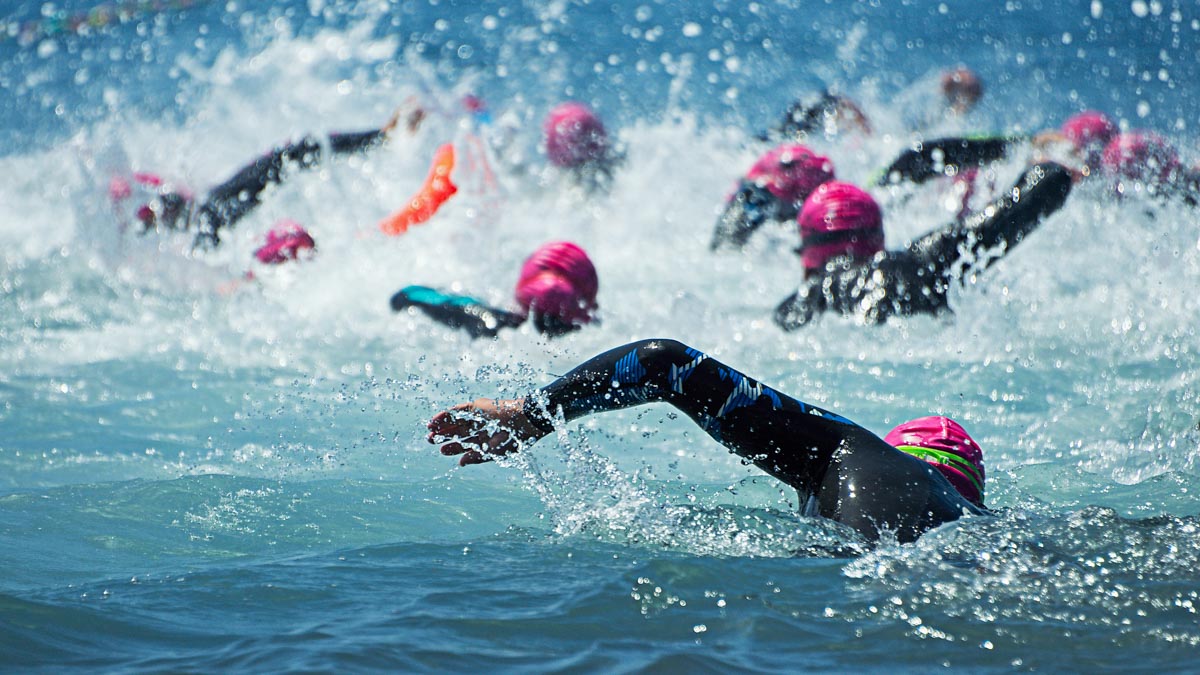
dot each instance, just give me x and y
(200, 479)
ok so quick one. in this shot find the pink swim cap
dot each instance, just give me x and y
(791, 172)
(1140, 156)
(284, 242)
(839, 219)
(574, 136)
(559, 280)
(1089, 128)
(946, 445)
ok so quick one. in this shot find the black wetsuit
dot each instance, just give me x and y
(803, 117)
(471, 314)
(230, 201)
(840, 470)
(916, 279)
(946, 157)
(749, 209)
(456, 311)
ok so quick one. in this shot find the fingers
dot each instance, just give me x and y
(474, 430)
(461, 420)
(473, 457)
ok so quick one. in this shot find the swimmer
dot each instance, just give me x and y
(922, 474)
(772, 190)
(1084, 136)
(286, 241)
(1081, 139)
(1144, 162)
(847, 270)
(556, 289)
(577, 142)
(229, 202)
(826, 112)
(962, 89)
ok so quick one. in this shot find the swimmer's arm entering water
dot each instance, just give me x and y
(944, 157)
(789, 439)
(233, 199)
(996, 229)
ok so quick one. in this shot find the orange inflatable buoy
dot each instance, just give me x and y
(436, 190)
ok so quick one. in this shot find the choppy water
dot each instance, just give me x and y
(201, 480)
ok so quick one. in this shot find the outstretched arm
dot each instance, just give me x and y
(230, 201)
(785, 437)
(945, 156)
(995, 230)
(456, 311)
(747, 210)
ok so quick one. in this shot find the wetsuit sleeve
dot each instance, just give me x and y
(358, 141)
(456, 311)
(799, 309)
(789, 439)
(232, 200)
(747, 210)
(988, 235)
(944, 156)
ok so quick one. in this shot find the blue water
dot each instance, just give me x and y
(197, 478)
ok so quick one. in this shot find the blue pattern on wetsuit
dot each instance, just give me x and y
(629, 370)
(679, 374)
(429, 296)
(745, 392)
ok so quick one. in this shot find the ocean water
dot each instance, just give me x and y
(201, 475)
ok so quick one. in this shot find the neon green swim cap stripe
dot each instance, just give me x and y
(947, 458)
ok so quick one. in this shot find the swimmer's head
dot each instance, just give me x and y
(286, 241)
(946, 445)
(962, 88)
(839, 219)
(159, 204)
(164, 210)
(1140, 158)
(558, 287)
(575, 136)
(791, 172)
(1088, 132)
(1088, 129)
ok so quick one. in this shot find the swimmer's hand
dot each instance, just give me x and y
(482, 428)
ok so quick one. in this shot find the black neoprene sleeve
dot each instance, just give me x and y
(789, 439)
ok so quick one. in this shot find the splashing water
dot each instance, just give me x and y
(204, 475)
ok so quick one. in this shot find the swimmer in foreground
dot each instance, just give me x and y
(847, 270)
(556, 290)
(232, 200)
(772, 191)
(924, 473)
(577, 142)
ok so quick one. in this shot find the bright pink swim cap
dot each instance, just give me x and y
(946, 445)
(791, 172)
(839, 219)
(1089, 128)
(559, 280)
(1140, 156)
(574, 136)
(284, 242)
